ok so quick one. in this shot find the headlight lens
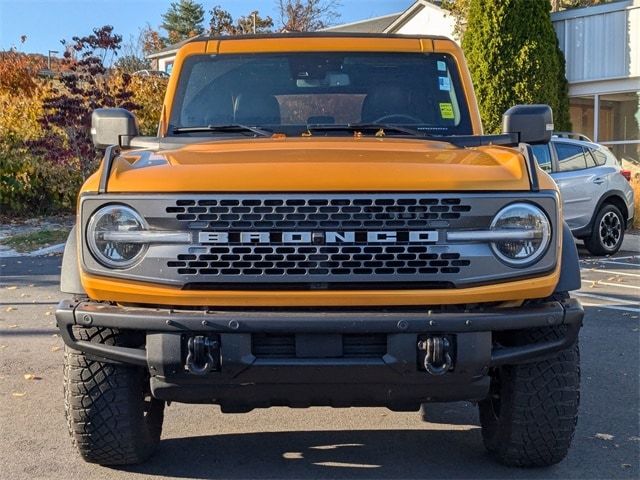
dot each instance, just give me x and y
(534, 225)
(112, 252)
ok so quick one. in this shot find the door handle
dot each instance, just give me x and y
(598, 181)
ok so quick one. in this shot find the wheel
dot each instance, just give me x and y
(112, 418)
(608, 231)
(530, 416)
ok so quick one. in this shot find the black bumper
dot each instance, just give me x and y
(246, 377)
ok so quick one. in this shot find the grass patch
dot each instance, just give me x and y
(28, 242)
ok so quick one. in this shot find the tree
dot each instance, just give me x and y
(133, 56)
(183, 20)
(222, 23)
(151, 40)
(83, 88)
(307, 15)
(513, 55)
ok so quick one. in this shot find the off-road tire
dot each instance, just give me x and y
(594, 242)
(112, 418)
(531, 414)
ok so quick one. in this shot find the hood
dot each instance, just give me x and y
(320, 164)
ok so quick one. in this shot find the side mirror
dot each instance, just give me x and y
(113, 126)
(532, 123)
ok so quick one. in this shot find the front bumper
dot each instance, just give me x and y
(244, 379)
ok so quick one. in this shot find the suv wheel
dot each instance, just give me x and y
(608, 232)
(112, 418)
(530, 416)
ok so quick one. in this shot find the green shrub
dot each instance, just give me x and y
(30, 185)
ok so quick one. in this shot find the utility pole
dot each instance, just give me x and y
(49, 58)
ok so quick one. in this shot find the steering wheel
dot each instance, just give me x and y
(399, 116)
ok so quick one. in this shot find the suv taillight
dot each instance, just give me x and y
(626, 174)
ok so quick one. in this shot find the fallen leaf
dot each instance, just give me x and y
(2, 347)
(604, 436)
(634, 439)
(31, 376)
(56, 349)
(12, 287)
(626, 465)
(12, 326)
(10, 309)
(48, 313)
(19, 394)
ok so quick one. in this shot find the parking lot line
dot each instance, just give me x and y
(610, 272)
(606, 298)
(609, 284)
(621, 263)
(612, 307)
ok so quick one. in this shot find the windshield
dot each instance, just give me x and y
(288, 92)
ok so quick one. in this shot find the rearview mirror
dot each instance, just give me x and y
(112, 126)
(532, 123)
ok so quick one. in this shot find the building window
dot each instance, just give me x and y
(581, 110)
(619, 124)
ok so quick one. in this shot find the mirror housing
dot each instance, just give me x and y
(113, 126)
(532, 123)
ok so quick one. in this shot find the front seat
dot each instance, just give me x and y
(257, 109)
(385, 100)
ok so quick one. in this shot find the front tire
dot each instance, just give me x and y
(530, 416)
(112, 418)
(608, 232)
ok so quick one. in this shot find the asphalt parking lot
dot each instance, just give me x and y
(200, 442)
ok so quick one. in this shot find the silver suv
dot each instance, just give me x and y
(597, 198)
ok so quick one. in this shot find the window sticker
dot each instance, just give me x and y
(442, 67)
(446, 111)
(445, 83)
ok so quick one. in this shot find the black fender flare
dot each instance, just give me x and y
(588, 228)
(570, 266)
(70, 272)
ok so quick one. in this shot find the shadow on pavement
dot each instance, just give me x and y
(328, 454)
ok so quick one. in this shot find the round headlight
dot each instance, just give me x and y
(106, 240)
(527, 231)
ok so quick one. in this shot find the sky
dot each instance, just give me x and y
(46, 22)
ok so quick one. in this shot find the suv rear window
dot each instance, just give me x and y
(288, 91)
(571, 157)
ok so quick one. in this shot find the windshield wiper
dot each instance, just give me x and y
(232, 128)
(381, 128)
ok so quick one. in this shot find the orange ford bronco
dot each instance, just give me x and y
(321, 221)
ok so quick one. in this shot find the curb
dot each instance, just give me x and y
(51, 250)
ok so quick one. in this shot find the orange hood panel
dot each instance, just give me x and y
(321, 164)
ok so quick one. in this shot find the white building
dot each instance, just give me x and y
(601, 45)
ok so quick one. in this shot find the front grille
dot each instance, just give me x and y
(317, 261)
(319, 240)
(353, 346)
(362, 212)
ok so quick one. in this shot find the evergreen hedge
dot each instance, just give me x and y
(513, 55)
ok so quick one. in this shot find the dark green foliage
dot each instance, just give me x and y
(513, 55)
(183, 20)
(222, 23)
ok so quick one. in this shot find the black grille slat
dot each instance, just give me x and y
(319, 260)
(318, 213)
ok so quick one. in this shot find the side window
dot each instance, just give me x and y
(591, 161)
(543, 156)
(570, 157)
(600, 157)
